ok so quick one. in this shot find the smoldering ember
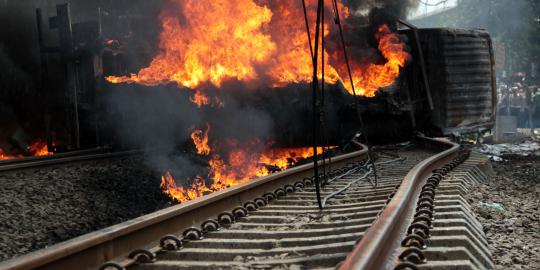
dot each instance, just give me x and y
(269, 134)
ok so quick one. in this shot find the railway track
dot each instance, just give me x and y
(412, 216)
(63, 158)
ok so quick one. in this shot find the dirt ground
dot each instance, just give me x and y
(508, 208)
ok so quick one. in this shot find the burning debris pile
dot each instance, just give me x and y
(253, 44)
(232, 164)
(37, 148)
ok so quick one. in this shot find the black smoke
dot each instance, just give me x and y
(162, 116)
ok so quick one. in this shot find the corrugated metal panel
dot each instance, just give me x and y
(460, 70)
(468, 73)
(469, 62)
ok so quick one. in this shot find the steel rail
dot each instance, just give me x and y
(76, 156)
(91, 250)
(65, 154)
(379, 247)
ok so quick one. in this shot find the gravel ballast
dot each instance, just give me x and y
(508, 208)
(44, 206)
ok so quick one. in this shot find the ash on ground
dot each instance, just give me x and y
(44, 206)
(508, 208)
(523, 148)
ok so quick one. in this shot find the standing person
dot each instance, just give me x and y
(515, 103)
(529, 92)
(523, 108)
(504, 101)
(535, 111)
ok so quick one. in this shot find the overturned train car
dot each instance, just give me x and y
(459, 66)
(448, 89)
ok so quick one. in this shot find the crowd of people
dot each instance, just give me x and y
(520, 98)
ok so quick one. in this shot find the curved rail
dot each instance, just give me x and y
(379, 246)
(95, 248)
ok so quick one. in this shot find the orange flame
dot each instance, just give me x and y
(368, 80)
(210, 44)
(4, 156)
(265, 40)
(241, 166)
(179, 193)
(243, 162)
(200, 139)
(37, 148)
(200, 99)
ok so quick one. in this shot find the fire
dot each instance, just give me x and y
(240, 166)
(179, 193)
(37, 148)
(292, 63)
(112, 42)
(241, 162)
(265, 40)
(368, 80)
(200, 139)
(200, 99)
(204, 43)
(4, 156)
(209, 45)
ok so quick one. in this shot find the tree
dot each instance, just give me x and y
(515, 23)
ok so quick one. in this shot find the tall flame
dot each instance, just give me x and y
(210, 41)
(217, 40)
(368, 80)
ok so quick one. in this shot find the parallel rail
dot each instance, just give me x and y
(378, 246)
(63, 158)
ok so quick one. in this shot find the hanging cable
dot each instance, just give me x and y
(365, 166)
(315, 107)
(324, 134)
(326, 147)
(362, 126)
(307, 29)
(321, 105)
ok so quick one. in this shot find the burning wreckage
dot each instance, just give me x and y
(233, 78)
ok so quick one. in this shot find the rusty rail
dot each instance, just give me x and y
(91, 250)
(379, 247)
(63, 158)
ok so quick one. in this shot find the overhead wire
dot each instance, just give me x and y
(307, 29)
(326, 147)
(337, 20)
(315, 105)
(320, 111)
(324, 134)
